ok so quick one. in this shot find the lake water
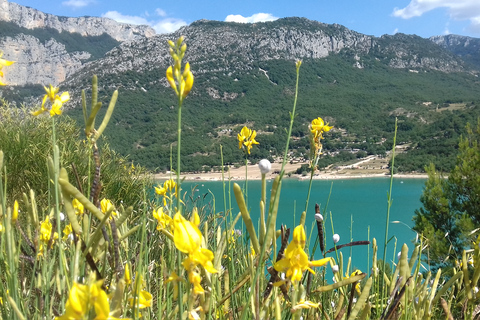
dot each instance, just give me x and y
(357, 207)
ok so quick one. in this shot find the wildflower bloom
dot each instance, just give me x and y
(67, 231)
(78, 206)
(81, 300)
(46, 235)
(317, 128)
(56, 100)
(295, 260)
(164, 220)
(169, 187)
(246, 138)
(4, 63)
(188, 239)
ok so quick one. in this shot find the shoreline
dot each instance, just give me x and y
(253, 173)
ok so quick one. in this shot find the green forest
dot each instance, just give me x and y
(432, 108)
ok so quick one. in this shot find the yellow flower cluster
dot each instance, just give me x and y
(46, 235)
(56, 100)
(317, 128)
(4, 63)
(174, 75)
(246, 138)
(81, 300)
(169, 187)
(188, 239)
(295, 260)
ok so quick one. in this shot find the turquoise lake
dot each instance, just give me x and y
(361, 203)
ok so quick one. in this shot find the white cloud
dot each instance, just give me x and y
(457, 9)
(257, 17)
(117, 16)
(75, 4)
(395, 31)
(168, 25)
(165, 25)
(161, 13)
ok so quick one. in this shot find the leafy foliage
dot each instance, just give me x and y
(26, 144)
(450, 206)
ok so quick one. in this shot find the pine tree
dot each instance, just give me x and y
(451, 207)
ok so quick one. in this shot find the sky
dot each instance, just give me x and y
(372, 17)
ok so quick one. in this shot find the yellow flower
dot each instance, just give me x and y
(144, 300)
(82, 298)
(188, 239)
(246, 138)
(355, 273)
(78, 206)
(56, 101)
(296, 261)
(318, 126)
(302, 304)
(107, 205)
(67, 231)
(169, 186)
(15, 211)
(4, 63)
(164, 220)
(46, 231)
(77, 304)
(45, 235)
(195, 279)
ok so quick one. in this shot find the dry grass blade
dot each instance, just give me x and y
(392, 314)
(446, 309)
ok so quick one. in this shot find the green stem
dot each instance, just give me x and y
(388, 211)
(56, 166)
(292, 117)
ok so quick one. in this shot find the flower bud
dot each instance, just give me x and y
(335, 268)
(15, 211)
(265, 166)
(171, 44)
(170, 78)
(179, 41)
(336, 238)
(187, 84)
(183, 48)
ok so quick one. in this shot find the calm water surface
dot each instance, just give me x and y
(357, 207)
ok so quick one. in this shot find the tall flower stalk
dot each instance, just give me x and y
(181, 83)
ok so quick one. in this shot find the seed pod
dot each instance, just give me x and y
(319, 228)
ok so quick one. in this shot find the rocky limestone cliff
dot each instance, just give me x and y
(39, 63)
(47, 60)
(215, 46)
(220, 46)
(87, 26)
(466, 47)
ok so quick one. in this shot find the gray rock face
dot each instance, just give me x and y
(48, 61)
(219, 46)
(39, 63)
(87, 26)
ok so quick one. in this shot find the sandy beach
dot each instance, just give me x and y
(364, 168)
